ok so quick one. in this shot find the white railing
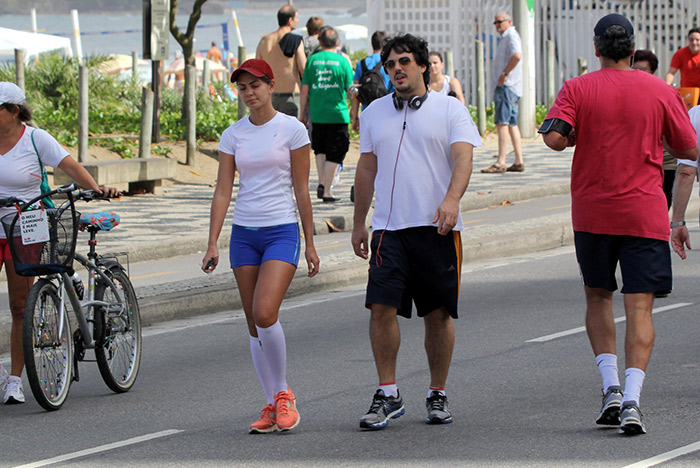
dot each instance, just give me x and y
(660, 25)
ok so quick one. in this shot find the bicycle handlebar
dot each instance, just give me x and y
(70, 189)
(9, 201)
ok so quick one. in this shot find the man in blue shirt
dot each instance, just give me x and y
(370, 62)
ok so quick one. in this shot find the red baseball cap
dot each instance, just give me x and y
(256, 67)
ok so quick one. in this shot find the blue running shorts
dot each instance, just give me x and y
(505, 106)
(256, 245)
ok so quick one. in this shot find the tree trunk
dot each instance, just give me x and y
(186, 41)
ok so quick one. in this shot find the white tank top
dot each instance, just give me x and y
(445, 86)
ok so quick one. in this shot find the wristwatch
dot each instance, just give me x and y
(675, 224)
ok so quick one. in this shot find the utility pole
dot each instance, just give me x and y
(524, 20)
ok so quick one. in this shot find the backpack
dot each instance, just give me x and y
(371, 84)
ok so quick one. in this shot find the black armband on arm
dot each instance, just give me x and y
(555, 125)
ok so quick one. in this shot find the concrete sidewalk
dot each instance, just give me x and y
(175, 220)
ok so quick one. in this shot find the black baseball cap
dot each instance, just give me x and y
(610, 20)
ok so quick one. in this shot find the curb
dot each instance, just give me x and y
(216, 294)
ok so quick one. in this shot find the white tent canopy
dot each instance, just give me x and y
(33, 43)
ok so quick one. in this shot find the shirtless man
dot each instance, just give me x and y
(284, 51)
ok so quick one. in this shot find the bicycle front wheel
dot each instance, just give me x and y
(118, 332)
(48, 346)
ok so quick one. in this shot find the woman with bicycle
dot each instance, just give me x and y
(270, 151)
(24, 151)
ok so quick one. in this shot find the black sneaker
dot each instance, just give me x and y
(383, 408)
(437, 409)
(631, 422)
(609, 414)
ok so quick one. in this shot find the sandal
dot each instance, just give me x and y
(516, 168)
(494, 168)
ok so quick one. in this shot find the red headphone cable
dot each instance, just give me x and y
(378, 260)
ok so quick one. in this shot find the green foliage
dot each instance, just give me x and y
(124, 147)
(162, 151)
(357, 56)
(114, 105)
(540, 113)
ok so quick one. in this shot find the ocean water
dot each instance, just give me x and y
(253, 25)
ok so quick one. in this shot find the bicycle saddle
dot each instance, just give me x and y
(102, 221)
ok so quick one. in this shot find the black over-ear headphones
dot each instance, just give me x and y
(414, 102)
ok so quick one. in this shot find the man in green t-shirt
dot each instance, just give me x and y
(327, 77)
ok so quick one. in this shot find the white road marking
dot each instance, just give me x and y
(573, 331)
(170, 327)
(664, 457)
(101, 448)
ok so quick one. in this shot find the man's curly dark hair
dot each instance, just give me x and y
(615, 44)
(409, 43)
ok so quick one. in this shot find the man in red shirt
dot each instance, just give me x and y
(687, 60)
(616, 117)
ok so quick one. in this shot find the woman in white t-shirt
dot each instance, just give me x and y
(270, 151)
(442, 83)
(21, 147)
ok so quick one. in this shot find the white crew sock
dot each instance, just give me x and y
(274, 348)
(634, 379)
(389, 389)
(262, 369)
(441, 391)
(607, 365)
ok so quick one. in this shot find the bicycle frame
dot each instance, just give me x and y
(83, 311)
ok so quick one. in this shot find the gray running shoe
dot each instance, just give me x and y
(437, 409)
(609, 414)
(631, 419)
(383, 409)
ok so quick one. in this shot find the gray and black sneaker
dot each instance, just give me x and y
(383, 408)
(437, 409)
(609, 414)
(631, 419)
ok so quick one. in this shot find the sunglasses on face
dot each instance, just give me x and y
(497, 22)
(403, 61)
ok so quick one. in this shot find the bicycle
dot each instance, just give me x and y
(42, 242)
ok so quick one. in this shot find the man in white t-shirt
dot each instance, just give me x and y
(686, 173)
(416, 155)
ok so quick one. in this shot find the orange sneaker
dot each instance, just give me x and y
(287, 414)
(266, 423)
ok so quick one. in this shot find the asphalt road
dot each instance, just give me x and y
(523, 387)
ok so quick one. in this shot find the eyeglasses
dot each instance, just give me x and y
(497, 22)
(403, 61)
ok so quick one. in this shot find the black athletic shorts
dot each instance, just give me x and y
(330, 139)
(645, 263)
(415, 265)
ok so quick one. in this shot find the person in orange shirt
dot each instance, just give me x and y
(687, 60)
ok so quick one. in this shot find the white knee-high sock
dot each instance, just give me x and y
(634, 379)
(263, 369)
(607, 365)
(274, 348)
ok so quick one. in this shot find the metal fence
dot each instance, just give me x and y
(660, 25)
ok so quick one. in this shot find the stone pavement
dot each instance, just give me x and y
(175, 220)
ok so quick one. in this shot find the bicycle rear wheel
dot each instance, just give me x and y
(118, 333)
(48, 346)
